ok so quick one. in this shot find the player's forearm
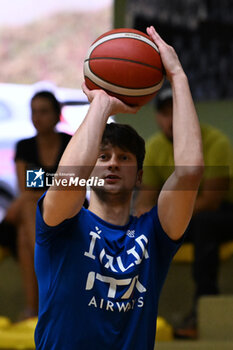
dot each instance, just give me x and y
(79, 159)
(82, 151)
(186, 129)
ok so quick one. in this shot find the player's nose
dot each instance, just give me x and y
(113, 162)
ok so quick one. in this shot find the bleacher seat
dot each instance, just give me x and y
(186, 252)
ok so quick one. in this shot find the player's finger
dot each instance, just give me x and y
(155, 36)
(84, 88)
(132, 109)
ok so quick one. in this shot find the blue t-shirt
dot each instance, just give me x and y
(99, 283)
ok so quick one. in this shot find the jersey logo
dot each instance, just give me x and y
(130, 233)
(122, 290)
(114, 263)
(114, 283)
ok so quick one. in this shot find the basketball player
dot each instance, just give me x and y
(100, 271)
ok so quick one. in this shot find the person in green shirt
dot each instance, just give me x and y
(212, 219)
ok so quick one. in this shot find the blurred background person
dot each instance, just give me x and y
(212, 220)
(41, 151)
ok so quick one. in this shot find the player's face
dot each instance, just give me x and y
(118, 168)
(44, 117)
(164, 120)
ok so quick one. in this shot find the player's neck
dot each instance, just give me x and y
(114, 210)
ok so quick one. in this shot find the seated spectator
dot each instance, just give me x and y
(41, 151)
(212, 220)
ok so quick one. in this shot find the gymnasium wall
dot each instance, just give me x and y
(216, 113)
(210, 74)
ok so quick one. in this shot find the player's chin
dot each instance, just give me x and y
(118, 189)
(113, 189)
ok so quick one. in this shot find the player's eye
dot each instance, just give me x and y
(102, 156)
(124, 157)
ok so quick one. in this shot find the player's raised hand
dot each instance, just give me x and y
(113, 104)
(168, 55)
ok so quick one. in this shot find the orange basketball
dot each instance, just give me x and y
(125, 63)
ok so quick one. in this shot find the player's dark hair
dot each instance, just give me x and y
(50, 96)
(126, 138)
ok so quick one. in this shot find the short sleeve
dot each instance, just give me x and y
(45, 234)
(26, 151)
(20, 150)
(165, 243)
(164, 249)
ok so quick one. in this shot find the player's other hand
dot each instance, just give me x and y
(168, 55)
(114, 105)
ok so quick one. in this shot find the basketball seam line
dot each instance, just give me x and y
(125, 60)
(120, 86)
(119, 94)
(126, 35)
